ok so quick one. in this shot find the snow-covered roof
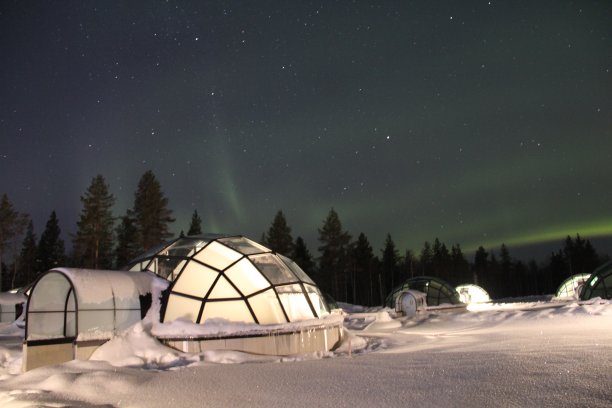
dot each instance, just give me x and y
(232, 278)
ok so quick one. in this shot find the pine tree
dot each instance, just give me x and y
(278, 237)
(127, 241)
(301, 256)
(12, 224)
(150, 213)
(195, 227)
(426, 258)
(460, 266)
(93, 243)
(332, 261)
(28, 268)
(367, 283)
(51, 251)
(480, 264)
(390, 258)
(506, 284)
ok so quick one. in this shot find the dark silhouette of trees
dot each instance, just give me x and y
(389, 264)
(195, 226)
(301, 255)
(12, 225)
(279, 237)
(333, 259)
(426, 259)
(28, 268)
(93, 242)
(368, 282)
(127, 241)
(51, 252)
(150, 213)
(460, 267)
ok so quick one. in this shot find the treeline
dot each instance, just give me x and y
(101, 241)
(348, 269)
(351, 270)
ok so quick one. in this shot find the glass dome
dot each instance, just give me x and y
(571, 287)
(599, 284)
(231, 278)
(470, 293)
(438, 292)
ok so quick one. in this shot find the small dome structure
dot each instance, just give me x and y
(599, 284)
(233, 278)
(571, 287)
(71, 312)
(470, 293)
(438, 292)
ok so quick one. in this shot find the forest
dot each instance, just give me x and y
(349, 269)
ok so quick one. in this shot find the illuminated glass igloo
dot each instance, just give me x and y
(470, 293)
(438, 292)
(599, 284)
(232, 278)
(571, 287)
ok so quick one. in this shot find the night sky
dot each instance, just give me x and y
(477, 122)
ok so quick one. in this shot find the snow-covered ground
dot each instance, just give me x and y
(521, 354)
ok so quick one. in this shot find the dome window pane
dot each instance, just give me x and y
(244, 245)
(218, 256)
(267, 309)
(223, 290)
(195, 280)
(246, 277)
(273, 269)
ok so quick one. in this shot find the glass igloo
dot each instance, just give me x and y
(599, 284)
(231, 278)
(438, 292)
(571, 287)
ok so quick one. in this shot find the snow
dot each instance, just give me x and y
(532, 353)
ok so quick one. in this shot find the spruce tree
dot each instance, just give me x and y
(93, 243)
(460, 266)
(28, 268)
(390, 259)
(367, 284)
(301, 256)
(127, 242)
(426, 258)
(151, 213)
(279, 237)
(51, 251)
(506, 284)
(480, 265)
(195, 227)
(12, 224)
(332, 261)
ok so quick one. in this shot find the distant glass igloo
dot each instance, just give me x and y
(438, 292)
(599, 284)
(571, 287)
(233, 278)
(470, 293)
